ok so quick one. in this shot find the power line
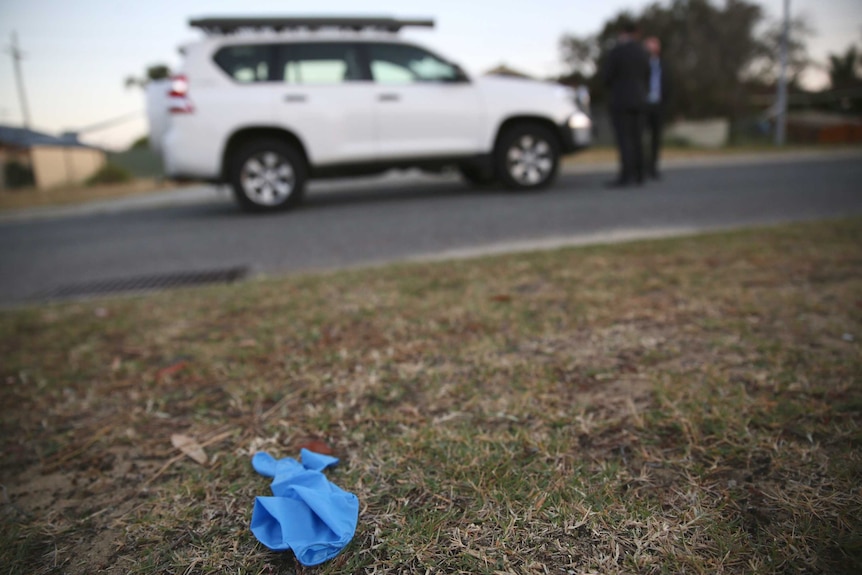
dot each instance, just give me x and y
(17, 56)
(781, 103)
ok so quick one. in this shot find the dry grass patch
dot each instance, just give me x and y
(682, 406)
(33, 198)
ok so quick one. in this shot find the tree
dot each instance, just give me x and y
(154, 72)
(843, 68)
(765, 68)
(580, 54)
(712, 51)
(142, 143)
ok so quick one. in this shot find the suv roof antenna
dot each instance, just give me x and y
(233, 25)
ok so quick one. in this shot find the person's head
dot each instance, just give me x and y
(653, 46)
(629, 30)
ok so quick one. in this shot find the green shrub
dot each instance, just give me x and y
(109, 174)
(142, 143)
(17, 175)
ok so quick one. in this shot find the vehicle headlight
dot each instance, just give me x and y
(579, 121)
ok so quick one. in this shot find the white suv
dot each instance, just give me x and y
(267, 103)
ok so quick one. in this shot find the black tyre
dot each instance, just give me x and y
(527, 157)
(268, 175)
(476, 176)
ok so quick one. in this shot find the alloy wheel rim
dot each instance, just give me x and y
(267, 179)
(529, 160)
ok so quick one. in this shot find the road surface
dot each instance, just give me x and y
(370, 222)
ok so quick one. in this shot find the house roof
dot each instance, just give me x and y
(27, 138)
(504, 70)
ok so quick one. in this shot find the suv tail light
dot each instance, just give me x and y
(178, 96)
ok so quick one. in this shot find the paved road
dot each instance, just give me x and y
(372, 222)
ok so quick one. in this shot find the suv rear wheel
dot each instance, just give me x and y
(527, 157)
(268, 175)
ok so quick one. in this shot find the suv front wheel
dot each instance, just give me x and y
(268, 175)
(527, 157)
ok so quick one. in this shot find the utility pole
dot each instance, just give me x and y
(781, 98)
(17, 56)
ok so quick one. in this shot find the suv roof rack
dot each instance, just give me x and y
(232, 25)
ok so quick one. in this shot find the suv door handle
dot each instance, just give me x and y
(388, 97)
(294, 98)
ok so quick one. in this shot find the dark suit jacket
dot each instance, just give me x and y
(627, 76)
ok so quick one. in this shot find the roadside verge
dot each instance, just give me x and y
(684, 405)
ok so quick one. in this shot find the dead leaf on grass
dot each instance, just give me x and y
(317, 446)
(501, 297)
(171, 370)
(190, 447)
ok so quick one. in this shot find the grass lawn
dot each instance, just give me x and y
(681, 406)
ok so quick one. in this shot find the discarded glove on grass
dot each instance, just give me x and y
(308, 513)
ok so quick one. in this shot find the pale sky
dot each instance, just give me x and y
(79, 52)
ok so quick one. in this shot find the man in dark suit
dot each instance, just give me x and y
(627, 78)
(658, 95)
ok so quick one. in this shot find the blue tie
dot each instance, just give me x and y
(655, 81)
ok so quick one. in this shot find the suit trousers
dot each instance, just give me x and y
(628, 128)
(654, 125)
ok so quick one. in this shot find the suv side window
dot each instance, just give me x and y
(403, 64)
(246, 63)
(319, 63)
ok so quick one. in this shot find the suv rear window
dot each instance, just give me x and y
(319, 63)
(246, 64)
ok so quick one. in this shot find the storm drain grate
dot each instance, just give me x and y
(145, 283)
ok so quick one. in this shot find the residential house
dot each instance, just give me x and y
(53, 161)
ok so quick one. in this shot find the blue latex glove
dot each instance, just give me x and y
(308, 513)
